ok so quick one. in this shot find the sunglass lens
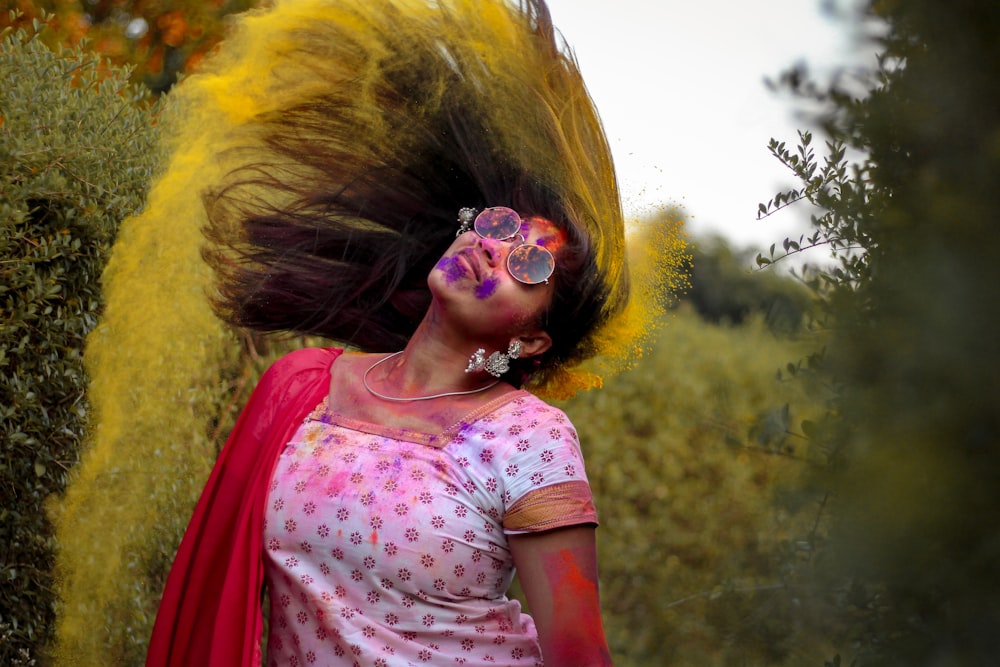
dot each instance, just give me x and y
(498, 223)
(531, 264)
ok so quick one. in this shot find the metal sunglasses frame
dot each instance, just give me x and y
(526, 263)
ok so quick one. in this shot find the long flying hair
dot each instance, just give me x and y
(373, 122)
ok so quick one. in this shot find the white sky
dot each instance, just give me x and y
(680, 87)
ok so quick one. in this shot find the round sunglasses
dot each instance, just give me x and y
(527, 263)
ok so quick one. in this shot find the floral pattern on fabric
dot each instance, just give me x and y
(385, 547)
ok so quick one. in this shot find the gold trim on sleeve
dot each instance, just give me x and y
(556, 506)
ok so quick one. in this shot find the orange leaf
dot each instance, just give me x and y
(173, 26)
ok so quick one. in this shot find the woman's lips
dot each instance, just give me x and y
(468, 256)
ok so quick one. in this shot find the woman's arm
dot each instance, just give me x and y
(558, 573)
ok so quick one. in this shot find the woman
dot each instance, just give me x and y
(387, 499)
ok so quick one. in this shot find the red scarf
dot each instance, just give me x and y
(210, 612)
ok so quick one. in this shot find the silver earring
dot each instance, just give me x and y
(476, 361)
(465, 216)
(498, 363)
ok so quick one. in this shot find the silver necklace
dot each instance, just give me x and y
(364, 381)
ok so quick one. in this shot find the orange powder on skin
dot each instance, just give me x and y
(572, 575)
(542, 232)
(568, 574)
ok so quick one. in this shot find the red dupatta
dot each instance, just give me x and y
(210, 612)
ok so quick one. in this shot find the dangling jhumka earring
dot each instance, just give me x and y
(465, 216)
(498, 363)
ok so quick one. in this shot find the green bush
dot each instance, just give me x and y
(75, 159)
(913, 437)
(686, 453)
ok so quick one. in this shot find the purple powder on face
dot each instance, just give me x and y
(486, 288)
(452, 268)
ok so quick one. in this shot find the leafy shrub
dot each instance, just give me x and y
(913, 440)
(686, 453)
(75, 158)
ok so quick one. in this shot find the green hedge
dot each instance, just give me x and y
(687, 454)
(75, 159)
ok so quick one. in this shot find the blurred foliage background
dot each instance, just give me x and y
(76, 156)
(800, 471)
(910, 443)
(688, 453)
(158, 40)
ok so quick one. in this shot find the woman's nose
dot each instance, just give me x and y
(492, 249)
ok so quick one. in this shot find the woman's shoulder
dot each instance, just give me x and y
(523, 418)
(527, 408)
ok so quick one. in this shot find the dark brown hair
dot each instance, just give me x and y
(334, 231)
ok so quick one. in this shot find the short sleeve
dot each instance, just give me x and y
(545, 482)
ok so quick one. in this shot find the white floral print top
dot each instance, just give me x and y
(388, 547)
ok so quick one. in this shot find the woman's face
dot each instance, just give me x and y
(471, 282)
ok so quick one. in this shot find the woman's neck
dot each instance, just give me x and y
(432, 362)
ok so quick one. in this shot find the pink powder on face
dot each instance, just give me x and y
(487, 288)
